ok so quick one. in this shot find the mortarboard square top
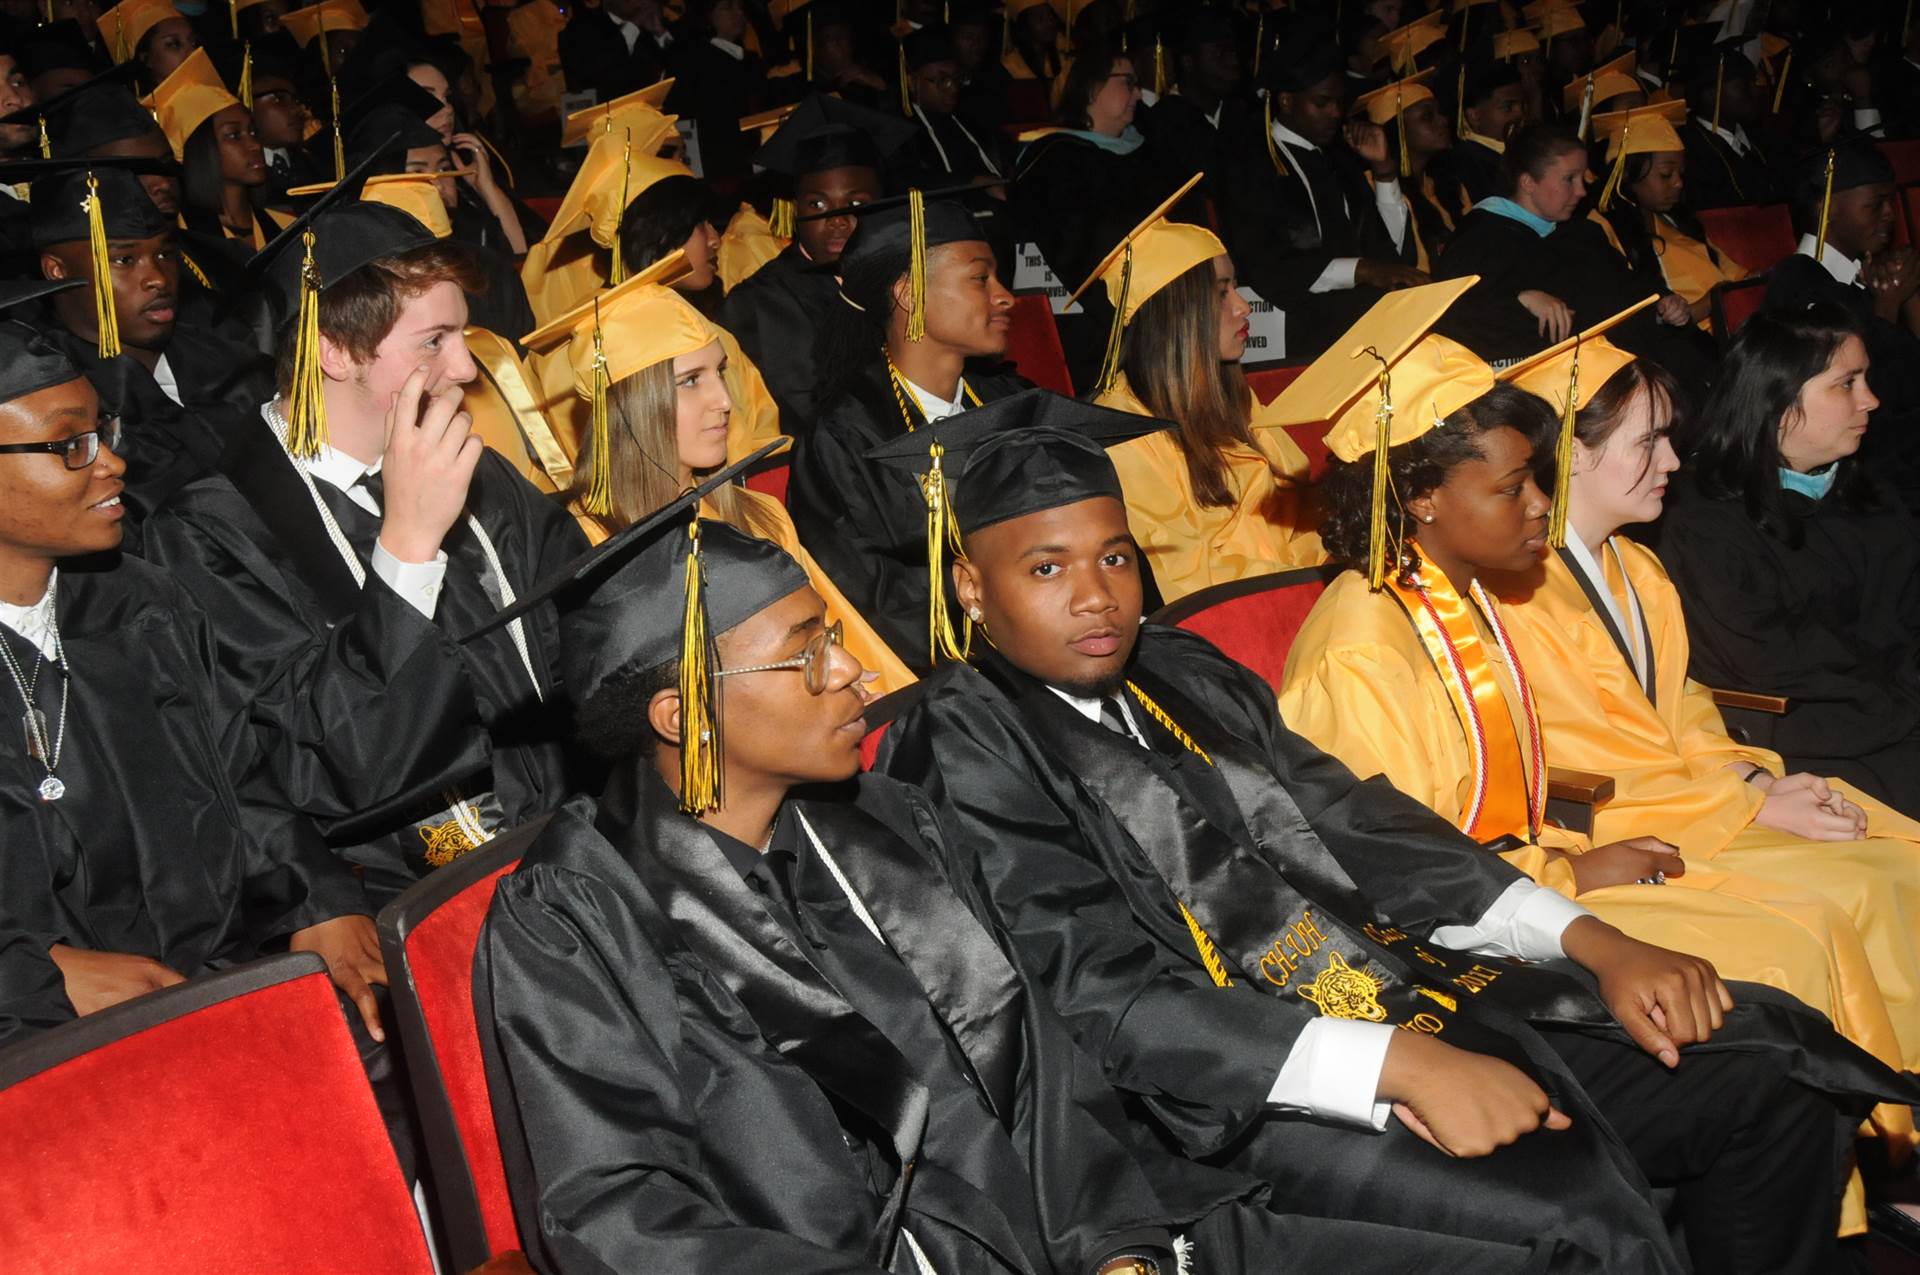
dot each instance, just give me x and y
(617, 168)
(1386, 104)
(631, 326)
(29, 362)
(825, 132)
(1153, 255)
(58, 212)
(188, 98)
(1550, 372)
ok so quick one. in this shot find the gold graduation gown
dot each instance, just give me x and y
(746, 244)
(1669, 759)
(1691, 267)
(560, 274)
(504, 403)
(533, 33)
(1360, 685)
(768, 519)
(1269, 527)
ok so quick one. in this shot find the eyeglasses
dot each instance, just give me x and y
(1128, 78)
(812, 662)
(79, 451)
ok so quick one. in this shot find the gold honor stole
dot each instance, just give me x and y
(1502, 804)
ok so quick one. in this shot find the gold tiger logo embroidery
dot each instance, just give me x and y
(1342, 991)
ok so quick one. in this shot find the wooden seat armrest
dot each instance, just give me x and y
(1578, 786)
(1775, 704)
(511, 1262)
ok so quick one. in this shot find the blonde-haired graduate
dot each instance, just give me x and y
(650, 373)
(1223, 496)
(1407, 667)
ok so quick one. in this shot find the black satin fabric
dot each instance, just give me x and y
(865, 523)
(777, 314)
(368, 712)
(645, 1007)
(166, 844)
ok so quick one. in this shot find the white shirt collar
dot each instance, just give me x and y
(1287, 137)
(1090, 709)
(10, 191)
(1634, 632)
(332, 466)
(1842, 267)
(1737, 138)
(169, 383)
(729, 48)
(35, 622)
(932, 406)
(1213, 117)
(629, 31)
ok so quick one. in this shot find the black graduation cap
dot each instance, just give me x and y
(885, 229)
(61, 190)
(388, 131)
(56, 46)
(29, 360)
(1855, 164)
(930, 44)
(100, 116)
(1298, 66)
(825, 132)
(44, 111)
(1033, 451)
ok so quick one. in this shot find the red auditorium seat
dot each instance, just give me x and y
(1027, 103)
(1033, 344)
(881, 714)
(1310, 439)
(220, 1127)
(1758, 237)
(428, 936)
(1254, 620)
(1732, 304)
(1905, 158)
(772, 480)
(547, 206)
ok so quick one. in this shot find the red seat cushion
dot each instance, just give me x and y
(1256, 625)
(1759, 237)
(440, 951)
(772, 481)
(237, 1138)
(1738, 303)
(1905, 158)
(1033, 343)
(548, 206)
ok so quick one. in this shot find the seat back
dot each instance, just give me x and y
(1310, 438)
(1731, 304)
(1758, 236)
(1027, 104)
(223, 1126)
(1905, 158)
(772, 480)
(1254, 621)
(1033, 343)
(881, 714)
(428, 936)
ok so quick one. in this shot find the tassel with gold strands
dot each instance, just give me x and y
(1563, 457)
(917, 266)
(1586, 110)
(46, 143)
(618, 272)
(1780, 80)
(1259, 41)
(906, 85)
(1466, 25)
(339, 141)
(1116, 333)
(1619, 169)
(809, 44)
(120, 50)
(306, 407)
(326, 54)
(1378, 540)
(104, 318)
(1400, 128)
(699, 709)
(1719, 86)
(1826, 207)
(245, 91)
(1273, 151)
(1159, 67)
(1460, 102)
(599, 498)
(780, 220)
(233, 18)
(942, 531)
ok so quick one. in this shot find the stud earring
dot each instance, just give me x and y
(976, 615)
(1428, 518)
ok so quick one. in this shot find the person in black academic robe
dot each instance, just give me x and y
(1198, 888)
(801, 1049)
(775, 314)
(595, 56)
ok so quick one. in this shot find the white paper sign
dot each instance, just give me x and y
(690, 133)
(1031, 273)
(1266, 331)
(572, 102)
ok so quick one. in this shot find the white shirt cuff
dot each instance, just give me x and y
(417, 582)
(1333, 1072)
(1393, 209)
(1525, 922)
(1866, 118)
(1337, 277)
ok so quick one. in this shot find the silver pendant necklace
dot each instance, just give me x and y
(34, 722)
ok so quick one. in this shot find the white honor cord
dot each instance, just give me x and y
(919, 1254)
(846, 887)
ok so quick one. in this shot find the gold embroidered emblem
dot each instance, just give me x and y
(1342, 991)
(1440, 998)
(445, 842)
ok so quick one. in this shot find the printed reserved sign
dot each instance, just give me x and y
(690, 133)
(1266, 331)
(1031, 273)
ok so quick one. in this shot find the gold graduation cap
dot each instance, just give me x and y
(415, 194)
(188, 98)
(625, 329)
(1153, 255)
(1509, 45)
(328, 15)
(606, 116)
(1641, 130)
(1568, 375)
(1385, 105)
(1386, 381)
(127, 23)
(1537, 11)
(619, 165)
(766, 123)
(1603, 82)
(1410, 41)
(1560, 22)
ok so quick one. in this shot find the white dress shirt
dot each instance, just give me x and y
(1333, 1070)
(1339, 273)
(729, 48)
(417, 582)
(35, 621)
(169, 383)
(932, 406)
(1838, 264)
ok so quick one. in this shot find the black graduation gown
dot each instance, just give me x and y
(776, 314)
(1475, 168)
(1799, 281)
(1086, 848)
(1719, 178)
(692, 1073)
(1183, 141)
(866, 523)
(369, 713)
(17, 254)
(165, 845)
(594, 56)
(1267, 222)
(1830, 624)
(716, 90)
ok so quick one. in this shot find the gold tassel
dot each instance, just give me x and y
(1780, 81)
(120, 50)
(1719, 83)
(1400, 130)
(1563, 457)
(1116, 333)
(105, 320)
(906, 86)
(699, 715)
(246, 75)
(1460, 102)
(941, 530)
(1273, 151)
(1826, 206)
(1586, 109)
(233, 19)
(326, 54)
(1377, 537)
(599, 499)
(1259, 41)
(917, 265)
(1159, 67)
(809, 44)
(46, 143)
(618, 274)
(1466, 25)
(1673, 54)
(1619, 170)
(339, 142)
(307, 408)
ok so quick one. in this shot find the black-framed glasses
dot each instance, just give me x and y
(79, 451)
(812, 662)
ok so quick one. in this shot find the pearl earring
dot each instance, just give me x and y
(975, 614)
(1428, 518)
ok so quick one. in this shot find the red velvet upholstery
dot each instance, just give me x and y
(1903, 234)
(233, 1137)
(772, 481)
(1269, 381)
(1033, 344)
(1310, 439)
(1255, 620)
(1732, 304)
(1027, 104)
(1759, 237)
(1905, 158)
(548, 206)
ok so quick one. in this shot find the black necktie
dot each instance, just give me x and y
(1114, 719)
(281, 167)
(376, 487)
(1329, 202)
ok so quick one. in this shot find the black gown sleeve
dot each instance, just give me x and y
(33, 996)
